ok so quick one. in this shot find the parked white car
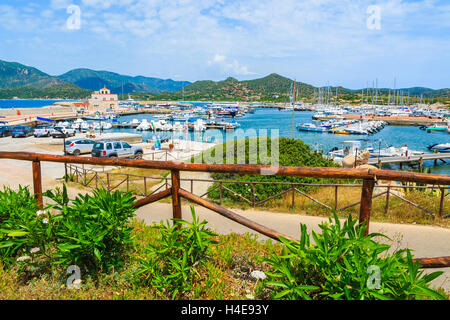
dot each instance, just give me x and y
(42, 131)
(60, 132)
(79, 146)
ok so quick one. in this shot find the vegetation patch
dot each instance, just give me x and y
(122, 258)
(292, 152)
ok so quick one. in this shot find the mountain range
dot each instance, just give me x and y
(18, 80)
(16, 75)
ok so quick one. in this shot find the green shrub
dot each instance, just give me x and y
(93, 232)
(23, 226)
(292, 152)
(173, 262)
(342, 264)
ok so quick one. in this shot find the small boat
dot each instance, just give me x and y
(444, 147)
(144, 125)
(311, 127)
(437, 127)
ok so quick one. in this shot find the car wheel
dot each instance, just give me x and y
(138, 155)
(76, 153)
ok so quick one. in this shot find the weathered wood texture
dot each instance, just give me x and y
(37, 183)
(233, 216)
(318, 172)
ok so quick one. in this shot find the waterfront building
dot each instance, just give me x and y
(102, 100)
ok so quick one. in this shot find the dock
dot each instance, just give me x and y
(416, 159)
(393, 121)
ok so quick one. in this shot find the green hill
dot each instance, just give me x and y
(62, 91)
(13, 74)
(117, 83)
(270, 88)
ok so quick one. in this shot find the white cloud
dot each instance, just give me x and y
(229, 66)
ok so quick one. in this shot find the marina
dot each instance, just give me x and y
(323, 129)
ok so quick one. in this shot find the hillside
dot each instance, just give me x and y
(270, 88)
(28, 82)
(95, 80)
(62, 91)
(13, 74)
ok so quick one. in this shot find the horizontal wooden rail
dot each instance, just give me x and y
(440, 262)
(317, 172)
(232, 216)
(153, 198)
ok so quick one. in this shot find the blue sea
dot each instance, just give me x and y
(269, 119)
(9, 104)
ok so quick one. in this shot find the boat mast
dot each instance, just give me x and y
(376, 92)
(293, 110)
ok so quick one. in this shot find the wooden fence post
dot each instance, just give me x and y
(37, 183)
(176, 203)
(145, 186)
(388, 193)
(441, 204)
(335, 198)
(366, 202)
(293, 195)
(254, 195)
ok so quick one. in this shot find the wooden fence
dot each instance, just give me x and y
(92, 178)
(369, 177)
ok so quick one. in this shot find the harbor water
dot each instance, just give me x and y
(265, 118)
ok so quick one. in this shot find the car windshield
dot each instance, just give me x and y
(98, 146)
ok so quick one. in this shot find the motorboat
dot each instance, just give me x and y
(144, 125)
(311, 127)
(444, 147)
(437, 127)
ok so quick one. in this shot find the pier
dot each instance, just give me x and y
(419, 159)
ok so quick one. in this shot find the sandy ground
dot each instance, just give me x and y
(17, 116)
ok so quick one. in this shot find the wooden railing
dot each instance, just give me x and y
(89, 177)
(369, 177)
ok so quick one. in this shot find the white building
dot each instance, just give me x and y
(102, 100)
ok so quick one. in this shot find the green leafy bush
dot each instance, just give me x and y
(345, 264)
(172, 263)
(292, 152)
(23, 226)
(92, 232)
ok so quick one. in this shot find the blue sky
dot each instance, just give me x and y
(340, 42)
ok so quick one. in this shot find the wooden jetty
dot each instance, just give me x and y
(419, 159)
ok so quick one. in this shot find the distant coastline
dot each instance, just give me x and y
(28, 103)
